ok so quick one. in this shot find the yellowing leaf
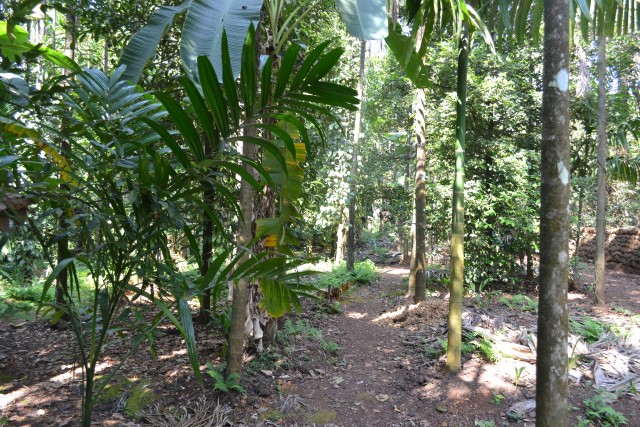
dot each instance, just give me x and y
(270, 241)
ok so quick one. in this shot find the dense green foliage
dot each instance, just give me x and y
(141, 179)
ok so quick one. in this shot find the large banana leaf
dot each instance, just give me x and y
(365, 19)
(203, 27)
(144, 43)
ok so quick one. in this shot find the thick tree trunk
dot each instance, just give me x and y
(552, 387)
(456, 287)
(351, 236)
(602, 173)
(418, 263)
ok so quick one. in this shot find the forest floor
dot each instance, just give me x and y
(375, 362)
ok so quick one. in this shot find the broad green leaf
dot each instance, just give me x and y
(276, 297)
(403, 49)
(142, 46)
(203, 27)
(364, 19)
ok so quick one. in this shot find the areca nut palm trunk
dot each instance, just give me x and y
(351, 236)
(417, 276)
(456, 287)
(602, 172)
(62, 281)
(551, 366)
(241, 288)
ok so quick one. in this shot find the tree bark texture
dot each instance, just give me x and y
(351, 236)
(241, 289)
(551, 367)
(456, 286)
(207, 238)
(602, 173)
(418, 256)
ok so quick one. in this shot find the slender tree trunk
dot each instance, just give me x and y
(579, 226)
(602, 172)
(552, 387)
(456, 289)
(62, 284)
(407, 234)
(351, 236)
(207, 238)
(341, 238)
(241, 288)
(418, 257)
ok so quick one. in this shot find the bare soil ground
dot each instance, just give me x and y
(379, 376)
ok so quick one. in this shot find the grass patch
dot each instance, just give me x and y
(324, 416)
(520, 302)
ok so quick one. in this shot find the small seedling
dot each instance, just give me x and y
(497, 398)
(484, 423)
(519, 371)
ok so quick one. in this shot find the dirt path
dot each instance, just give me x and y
(381, 375)
(384, 378)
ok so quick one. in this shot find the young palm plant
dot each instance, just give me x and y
(270, 110)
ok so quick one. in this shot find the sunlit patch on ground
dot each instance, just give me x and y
(397, 271)
(356, 315)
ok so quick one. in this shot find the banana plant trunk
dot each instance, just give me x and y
(551, 367)
(454, 343)
(351, 236)
(602, 173)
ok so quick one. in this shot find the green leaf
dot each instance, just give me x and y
(184, 124)
(213, 95)
(62, 265)
(142, 46)
(170, 141)
(229, 82)
(275, 300)
(200, 108)
(189, 335)
(7, 160)
(286, 69)
(403, 49)
(248, 73)
(203, 27)
(364, 19)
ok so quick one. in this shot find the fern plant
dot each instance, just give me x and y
(222, 384)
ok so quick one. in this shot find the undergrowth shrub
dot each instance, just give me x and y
(589, 329)
(363, 273)
(598, 411)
